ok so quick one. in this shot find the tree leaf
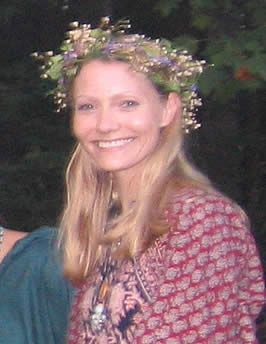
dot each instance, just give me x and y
(165, 7)
(187, 42)
(211, 79)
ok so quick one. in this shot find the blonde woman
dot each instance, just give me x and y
(158, 255)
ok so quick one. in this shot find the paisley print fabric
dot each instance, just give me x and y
(201, 282)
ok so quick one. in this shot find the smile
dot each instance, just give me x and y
(115, 143)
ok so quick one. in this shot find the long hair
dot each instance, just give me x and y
(85, 226)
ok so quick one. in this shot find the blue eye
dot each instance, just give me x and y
(85, 107)
(129, 103)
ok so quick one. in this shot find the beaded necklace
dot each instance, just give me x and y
(99, 311)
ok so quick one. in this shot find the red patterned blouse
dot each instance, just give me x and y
(202, 282)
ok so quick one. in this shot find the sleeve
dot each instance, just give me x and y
(213, 288)
(35, 296)
(54, 296)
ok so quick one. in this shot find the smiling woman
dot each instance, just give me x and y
(119, 123)
(157, 254)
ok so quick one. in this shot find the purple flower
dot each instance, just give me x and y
(78, 49)
(163, 60)
(110, 45)
(69, 57)
(194, 87)
(61, 81)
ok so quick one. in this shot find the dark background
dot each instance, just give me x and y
(230, 146)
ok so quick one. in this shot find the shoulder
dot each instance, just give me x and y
(39, 241)
(10, 237)
(210, 201)
(34, 261)
(206, 221)
(204, 272)
(192, 206)
(36, 251)
(210, 241)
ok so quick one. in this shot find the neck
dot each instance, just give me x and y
(126, 189)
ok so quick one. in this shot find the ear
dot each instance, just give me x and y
(172, 109)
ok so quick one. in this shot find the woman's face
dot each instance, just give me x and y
(117, 115)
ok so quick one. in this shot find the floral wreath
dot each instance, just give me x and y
(171, 69)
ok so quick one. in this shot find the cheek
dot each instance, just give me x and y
(147, 121)
(151, 126)
(76, 127)
(80, 126)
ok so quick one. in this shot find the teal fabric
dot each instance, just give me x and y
(34, 297)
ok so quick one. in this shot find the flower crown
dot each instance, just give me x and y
(169, 68)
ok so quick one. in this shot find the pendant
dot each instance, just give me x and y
(99, 311)
(98, 317)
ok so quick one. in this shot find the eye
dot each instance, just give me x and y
(85, 107)
(129, 103)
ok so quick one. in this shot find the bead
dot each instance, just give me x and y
(103, 290)
(99, 308)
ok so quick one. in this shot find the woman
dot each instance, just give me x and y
(35, 298)
(158, 255)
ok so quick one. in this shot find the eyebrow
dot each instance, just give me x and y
(112, 97)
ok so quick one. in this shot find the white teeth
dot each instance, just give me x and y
(117, 143)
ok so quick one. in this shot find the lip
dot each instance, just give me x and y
(112, 144)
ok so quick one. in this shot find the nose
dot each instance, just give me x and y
(107, 120)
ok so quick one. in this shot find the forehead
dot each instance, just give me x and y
(111, 74)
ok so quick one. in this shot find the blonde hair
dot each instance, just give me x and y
(84, 222)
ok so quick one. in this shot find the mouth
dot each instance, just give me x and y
(114, 143)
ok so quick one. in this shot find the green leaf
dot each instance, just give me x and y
(165, 7)
(166, 43)
(55, 70)
(186, 42)
(257, 65)
(96, 33)
(259, 16)
(66, 46)
(204, 4)
(211, 79)
(202, 21)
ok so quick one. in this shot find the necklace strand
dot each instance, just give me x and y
(99, 310)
